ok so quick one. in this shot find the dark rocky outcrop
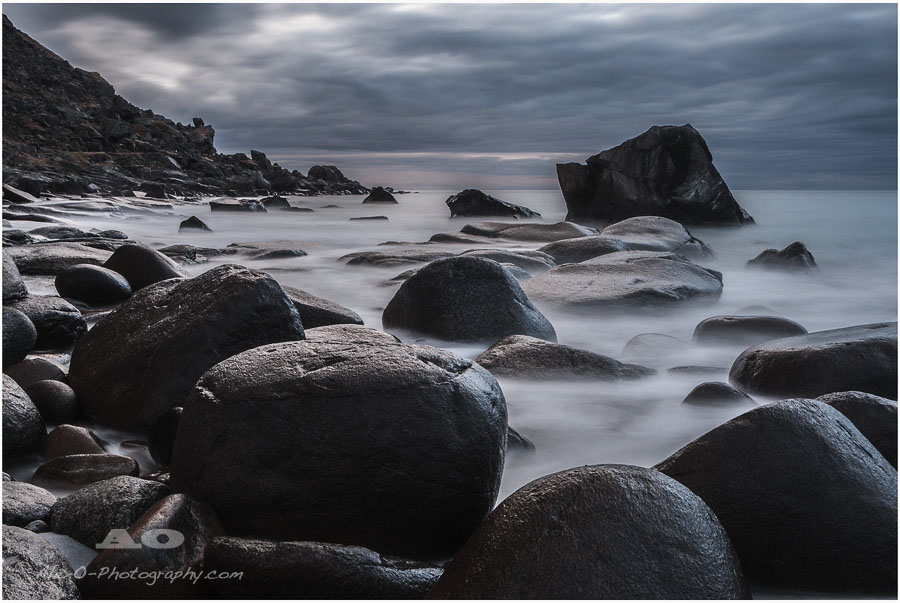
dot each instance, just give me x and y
(76, 470)
(653, 233)
(92, 285)
(715, 392)
(24, 503)
(473, 202)
(275, 202)
(314, 570)
(55, 400)
(793, 258)
(666, 171)
(394, 447)
(57, 322)
(330, 178)
(531, 358)
(597, 532)
(380, 195)
(465, 299)
(66, 440)
(579, 249)
(861, 358)
(241, 205)
(193, 224)
(875, 417)
(32, 567)
(23, 427)
(142, 265)
(176, 331)
(319, 312)
(13, 285)
(805, 497)
(19, 336)
(745, 330)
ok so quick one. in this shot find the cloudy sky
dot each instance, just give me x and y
(458, 95)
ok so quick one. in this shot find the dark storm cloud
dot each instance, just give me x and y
(787, 96)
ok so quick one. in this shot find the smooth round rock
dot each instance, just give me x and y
(655, 348)
(142, 265)
(714, 392)
(52, 258)
(319, 312)
(23, 426)
(13, 285)
(24, 503)
(528, 232)
(82, 469)
(349, 334)
(34, 569)
(579, 249)
(92, 285)
(32, 370)
(806, 498)
(58, 323)
(597, 532)
(745, 330)
(394, 447)
(875, 417)
(19, 336)
(161, 436)
(465, 299)
(534, 262)
(55, 400)
(654, 233)
(65, 440)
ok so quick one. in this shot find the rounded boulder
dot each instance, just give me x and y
(19, 336)
(92, 285)
(746, 330)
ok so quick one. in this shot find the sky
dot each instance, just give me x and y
(451, 96)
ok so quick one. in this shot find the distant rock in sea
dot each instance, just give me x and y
(666, 171)
(380, 194)
(473, 202)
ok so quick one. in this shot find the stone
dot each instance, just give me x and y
(597, 532)
(161, 436)
(142, 265)
(473, 202)
(793, 258)
(77, 470)
(57, 322)
(526, 357)
(465, 299)
(38, 526)
(194, 224)
(314, 570)
(19, 336)
(745, 330)
(24, 503)
(14, 195)
(34, 569)
(379, 195)
(52, 258)
(318, 312)
(349, 334)
(55, 400)
(398, 448)
(527, 232)
(176, 329)
(65, 440)
(394, 258)
(32, 370)
(23, 427)
(92, 285)
(370, 218)
(579, 249)
(531, 261)
(860, 358)
(243, 205)
(875, 417)
(13, 285)
(516, 441)
(654, 233)
(714, 392)
(806, 498)
(275, 202)
(88, 514)
(655, 348)
(666, 171)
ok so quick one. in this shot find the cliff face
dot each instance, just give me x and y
(65, 129)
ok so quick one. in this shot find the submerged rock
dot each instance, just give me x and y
(93, 285)
(715, 392)
(243, 205)
(349, 334)
(195, 224)
(379, 195)
(81, 469)
(516, 441)
(394, 257)
(34, 569)
(655, 348)
(875, 417)
(319, 312)
(19, 336)
(32, 370)
(795, 257)
(746, 330)
(530, 261)
(473, 202)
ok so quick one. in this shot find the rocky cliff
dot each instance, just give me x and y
(65, 130)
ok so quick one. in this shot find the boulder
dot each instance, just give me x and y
(579, 249)
(243, 205)
(861, 358)
(526, 357)
(275, 202)
(65, 440)
(318, 311)
(531, 261)
(654, 233)
(626, 280)
(597, 532)
(349, 334)
(16, 196)
(52, 258)
(19, 336)
(394, 447)
(465, 299)
(379, 195)
(394, 257)
(655, 348)
(176, 330)
(875, 417)
(793, 258)
(805, 497)
(527, 232)
(516, 441)
(57, 322)
(745, 330)
(13, 285)
(77, 470)
(55, 400)
(714, 392)
(24, 503)
(34, 569)
(142, 265)
(88, 514)
(92, 285)
(161, 436)
(32, 370)
(473, 202)
(314, 570)
(194, 224)
(23, 427)
(666, 171)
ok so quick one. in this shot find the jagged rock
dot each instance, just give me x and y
(746, 330)
(58, 323)
(275, 202)
(318, 311)
(32, 370)
(473, 202)
(714, 392)
(76, 470)
(52, 258)
(32, 567)
(92, 285)
(579, 249)
(666, 171)
(875, 417)
(14, 195)
(13, 285)
(653, 233)
(66, 440)
(23, 427)
(24, 503)
(19, 336)
(379, 195)
(55, 401)
(795, 258)
(142, 265)
(193, 223)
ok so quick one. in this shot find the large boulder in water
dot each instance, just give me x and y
(142, 265)
(806, 499)
(380, 195)
(19, 336)
(473, 202)
(57, 322)
(793, 258)
(654, 233)
(93, 285)
(145, 356)
(579, 249)
(875, 417)
(23, 427)
(526, 232)
(319, 312)
(465, 299)
(597, 532)
(861, 358)
(13, 285)
(34, 569)
(666, 171)
(398, 448)
(746, 330)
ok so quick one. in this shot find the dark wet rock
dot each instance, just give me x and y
(161, 436)
(379, 195)
(349, 334)
(333, 180)
(793, 482)
(14, 195)
(402, 446)
(155, 190)
(530, 261)
(88, 514)
(465, 299)
(34, 569)
(52, 258)
(860, 358)
(66, 440)
(654, 233)
(394, 257)
(626, 280)
(13, 285)
(527, 232)
(279, 254)
(473, 202)
(32, 370)
(875, 417)
(23, 427)
(62, 232)
(516, 441)
(19, 336)
(243, 205)
(15, 237)
(275, 202)
(715, 392)
(177, 329)
(579, 249)
(81, 469)
(699, 370)
(55, 400)
(58, 323)
(198, 524)
(296, 209)
(24, 503)
(38, 526)
(142, 265)
(530, 358)
(284, 570)
(795, 258)
(745, 330)
(191, 253)
(318, 312)
(597, 532)
(655, 348)
(666, 171)
(370, 218)
(93, 285)
(194, 224)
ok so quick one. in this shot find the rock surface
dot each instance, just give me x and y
(77, 470)
(579, 249)
(161, 436)
(55, 400)
(19, 336)
(745, 330)
(142, 265)
(13, 285)
(794, 258)
(527, 232)
(52, 258)
(193, 224)
(654, 233)
(65, 440)
(93, 285)
(24, 503)
(349, 334)
(319, 312)
(714, 392)
(379, 195)
(33, 568)
(23, 427)
(875, 417)
(57, 322)
(32, 370)
(473, 202)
